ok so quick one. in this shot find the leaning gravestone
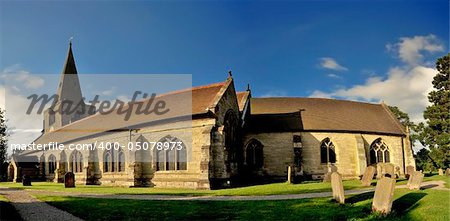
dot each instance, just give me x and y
(337, 187)
(409, 171)
(447, 172)
(69, 180)
(368, 176)
(389, 170)
(415, 180)
(384, 194)
(440, 172)
(26, 180)
(327, 176)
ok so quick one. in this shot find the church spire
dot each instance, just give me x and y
(69, 84)
(69, 65)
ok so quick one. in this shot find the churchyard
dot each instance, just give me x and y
(384, 199)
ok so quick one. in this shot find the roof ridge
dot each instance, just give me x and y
(318, 98)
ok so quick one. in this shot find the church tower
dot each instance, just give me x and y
(68, 105)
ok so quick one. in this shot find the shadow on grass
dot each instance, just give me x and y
(429, 186)
(359, 197)
(407, 202)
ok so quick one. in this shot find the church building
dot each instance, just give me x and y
(236, 138)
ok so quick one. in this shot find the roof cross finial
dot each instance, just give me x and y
(230, 74)
(70, 41)
(248, 87)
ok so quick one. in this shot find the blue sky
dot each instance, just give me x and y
(368, 51)
(275, 46)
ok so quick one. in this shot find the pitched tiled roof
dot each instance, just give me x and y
(202, 100)
(242, 99)
(320, 114)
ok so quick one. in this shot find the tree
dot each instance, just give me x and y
(406, 122)
(3, 145)
(435, 133)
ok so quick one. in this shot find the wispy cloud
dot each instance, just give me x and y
(405, 85)
(334, 76)
(410, 49)
(332, 64)
(18, 74)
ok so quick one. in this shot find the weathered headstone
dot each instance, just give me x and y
(69, 180)
(337, 187)
(384, 195)
(368, 176)
(327, 177)
(380, 170)
(289, 178)
(409, 171)
(447, 172)
(26, 180)
(415, 180)
(389, 170)
(440, 172)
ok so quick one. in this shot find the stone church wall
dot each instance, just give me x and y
(352, 152)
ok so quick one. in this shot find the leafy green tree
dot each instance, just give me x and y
(3, 145)
(435, 133)
(406, 122)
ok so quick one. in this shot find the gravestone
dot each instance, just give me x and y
(69, 180)
(440, 172)
(415, 180)
(389, 170)
(447, 172)
(289, 178)
(384, 195)
(409, 171)
(368, 176)
(337, 187)
(26, 180)
(380, 170)
(327, 176)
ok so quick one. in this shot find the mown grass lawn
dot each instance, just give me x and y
(408, 205)
(266, 189)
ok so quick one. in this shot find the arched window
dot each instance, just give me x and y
(254, 154)
(51, 163)
(379, 152)
(121, 161)
(171, 154)
(76, 162)
(230, 125)
(327, 154)
(107, 162)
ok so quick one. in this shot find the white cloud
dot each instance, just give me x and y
(406, 85)
(410, 49)
(331, 63)
(334, 76)
(23, 128)
(16, 74)
(108, 92)
(405, 88)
